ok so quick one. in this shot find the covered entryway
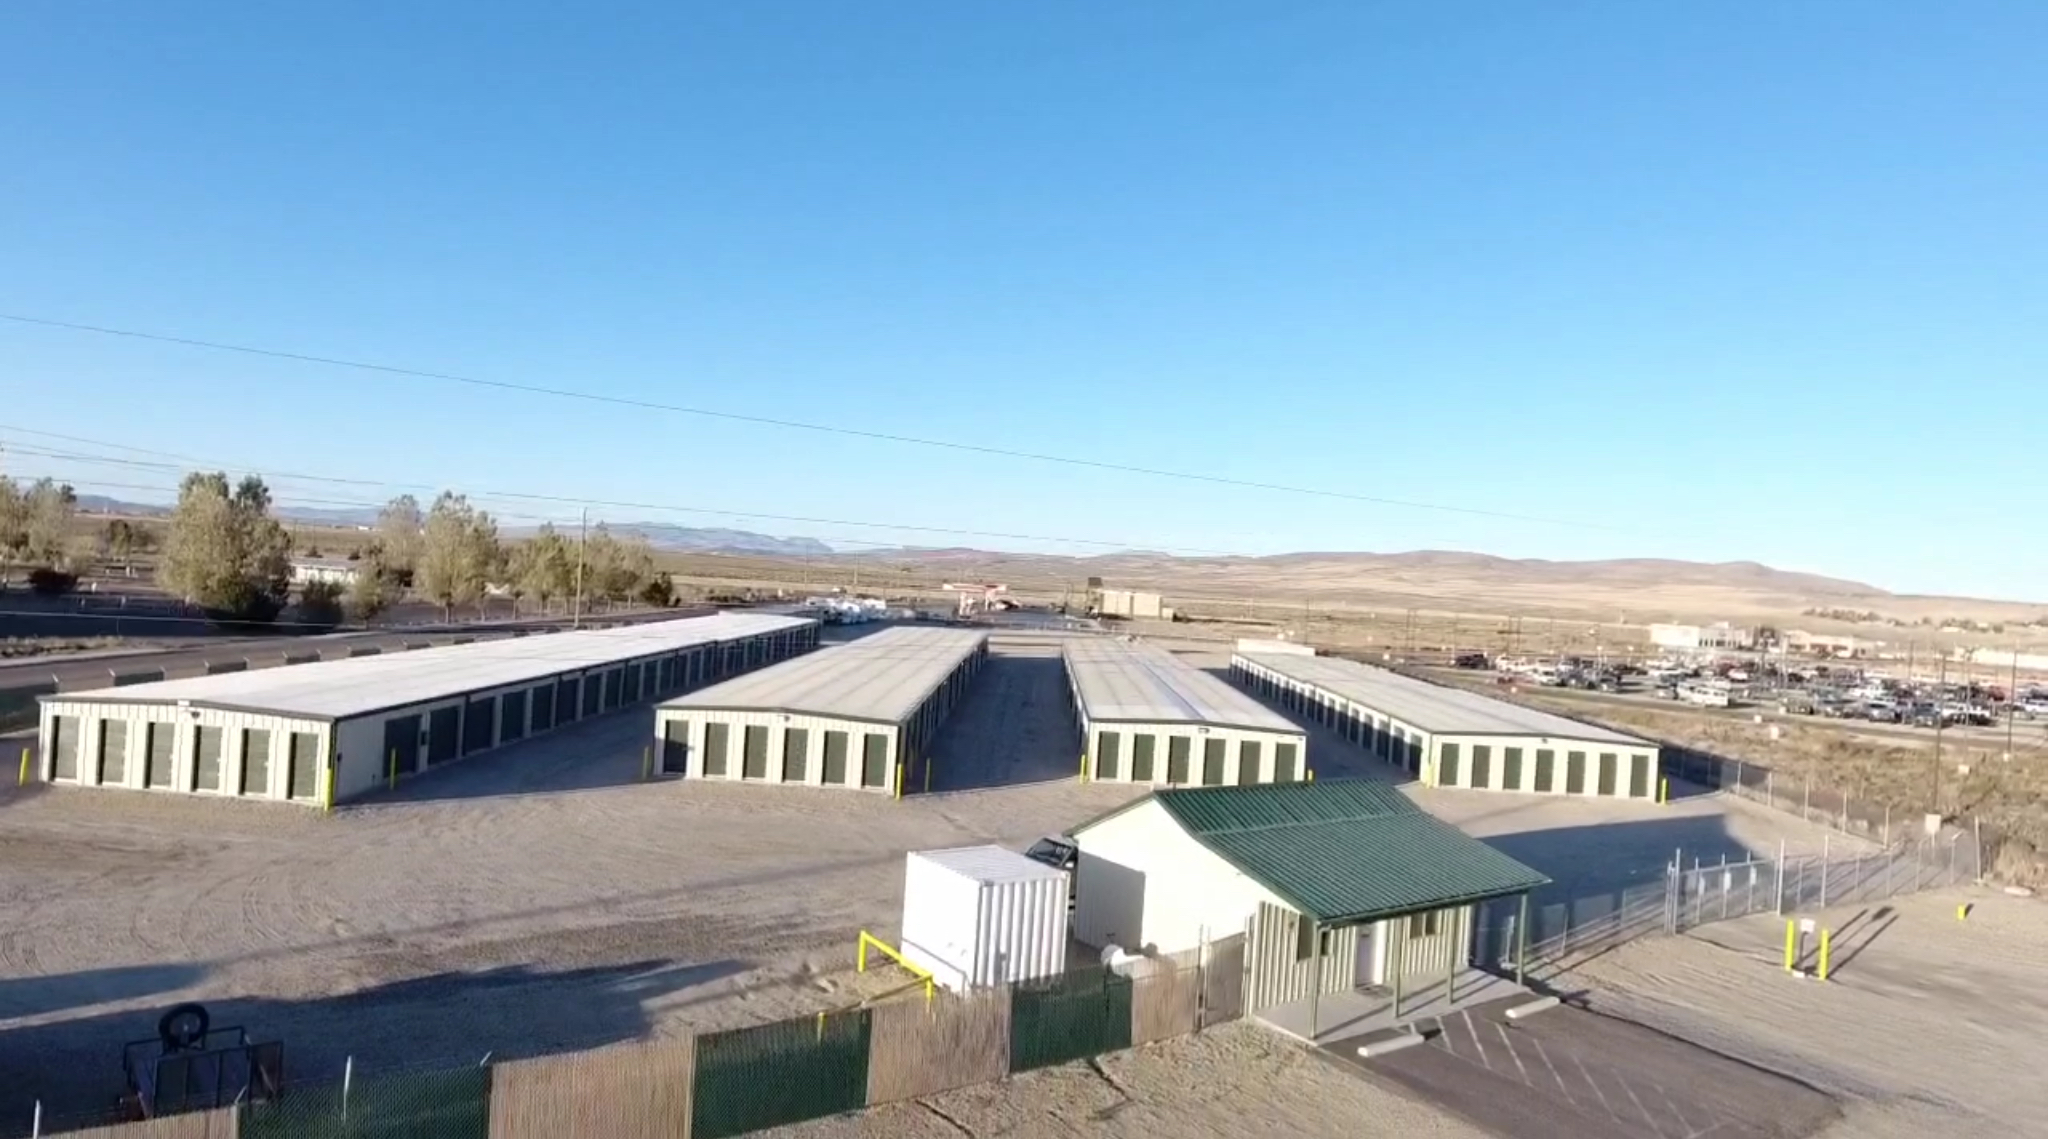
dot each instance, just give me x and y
(1396, 970)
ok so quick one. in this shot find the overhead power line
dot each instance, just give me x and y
(787, 424)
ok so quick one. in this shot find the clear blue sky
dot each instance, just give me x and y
(1758, 282)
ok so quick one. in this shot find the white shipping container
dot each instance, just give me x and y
(982, 915)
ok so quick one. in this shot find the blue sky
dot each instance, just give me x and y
(1699, 283)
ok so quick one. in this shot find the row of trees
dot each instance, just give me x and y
(225, 550)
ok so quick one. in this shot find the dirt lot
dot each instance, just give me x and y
(540, 899)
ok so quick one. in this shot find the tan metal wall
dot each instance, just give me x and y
(1423, 958)
(1273, 974)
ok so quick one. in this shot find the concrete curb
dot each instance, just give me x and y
(1392, 1044)
(1532, 1008)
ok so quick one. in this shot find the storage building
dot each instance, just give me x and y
(981, 915)
(1147, 716)
(861, 715)
(1337, 887)
(324, 732)
(1451, 737)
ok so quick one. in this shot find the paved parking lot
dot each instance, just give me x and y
(1574, 1074)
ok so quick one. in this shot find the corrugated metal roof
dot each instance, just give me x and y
(881, 678)
(355, 686)
(1124, 680)
(989, 864)
(1345, 850)
(1434, 708)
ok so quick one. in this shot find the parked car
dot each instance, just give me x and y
(1471, 660)
(1797, 704)
(1061, 853)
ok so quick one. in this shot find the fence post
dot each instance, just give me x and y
(1778, 897)
(1806, 799)
(348, 1077)
(1738, 777)
(1887, 824)
(36, 1122)
(1824, 870)
(1770, 796)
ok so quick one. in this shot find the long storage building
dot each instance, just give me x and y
(861, 715)
(322, 733)
(1450, 737)
(1147, 716)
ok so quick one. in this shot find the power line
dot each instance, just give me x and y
(575, 501)
(771, 421)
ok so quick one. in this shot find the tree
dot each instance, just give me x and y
(401, 535)
(371, 592)
(35, 524)
(660, 591)
(123, 539)
(616, 569)
(225, 552)
(459, 553)
(51, 508)
(487, 556)
(320, 605)
(544, 567)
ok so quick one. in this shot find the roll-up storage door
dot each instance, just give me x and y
(208, 744)
(114, 752)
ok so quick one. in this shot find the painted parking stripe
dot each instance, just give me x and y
(1519, 1066)
(1476, 1043)
(1561, 1088)
(1651, 1119)
(1589, 1082)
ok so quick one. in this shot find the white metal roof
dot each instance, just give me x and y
(1435, 708)
(1119, 680)
(356, 686)
(881, 678)
(988, 864)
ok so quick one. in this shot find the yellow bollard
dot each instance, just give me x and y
(24, 767)
(1311, 776)
(1791, 945)
(646, 763)
(1963, 912)
(1663, 790)
(927, 775)
(899, 779)
(1827, 937)
(394, 769)
(1084, 767)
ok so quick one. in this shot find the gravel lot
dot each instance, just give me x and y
(540, 899)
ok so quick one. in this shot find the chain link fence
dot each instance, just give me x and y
(1565, 934)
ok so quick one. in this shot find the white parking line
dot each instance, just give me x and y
(1673, 1105)
(1652, 1120)
(1519, 1066)
(1476, 1043)
(1562, 1090)
(1594, 1086)
(1443, 1036)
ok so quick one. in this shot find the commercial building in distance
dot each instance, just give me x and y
(1449, 737)
(861, 715)
(1147, 716)
(324, 732)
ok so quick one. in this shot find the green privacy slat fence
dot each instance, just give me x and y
(1069, 1018)
(19, 707)
(448, 1104)
(806, 1068)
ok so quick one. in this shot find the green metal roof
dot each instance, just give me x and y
(1345, 851)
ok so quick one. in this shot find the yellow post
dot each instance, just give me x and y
(899, 779)
(1791, 945)
(821, 1026)
(1827, 937)
(1663, 790)
(1084, 767)
(646, 763)
(394, 769)
(861, 958)
(927, 775)
(1962, 911)
(24, 767)
(1311, 775)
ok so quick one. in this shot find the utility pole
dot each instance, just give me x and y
(1940, 718)
(582, 542)
(2012, 698)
